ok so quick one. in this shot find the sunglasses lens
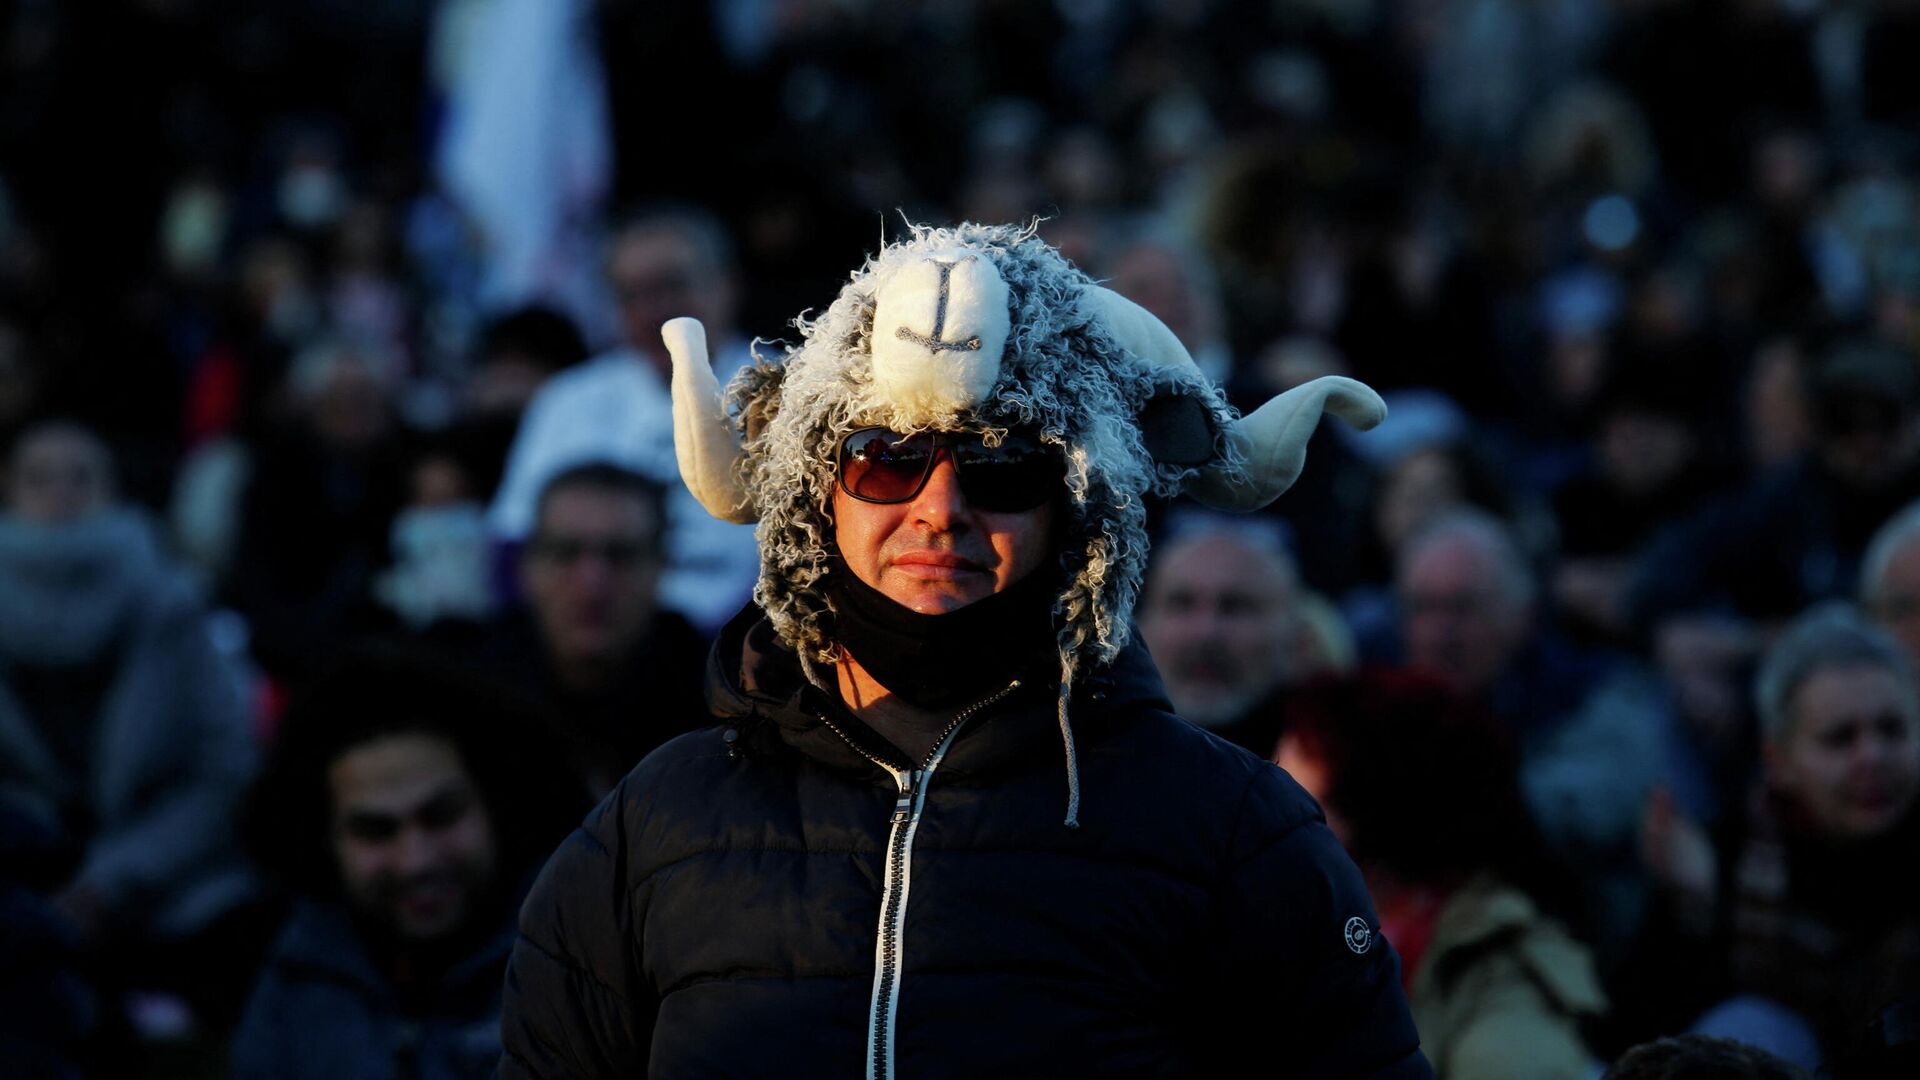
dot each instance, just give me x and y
(879, 466)
(1017, 475)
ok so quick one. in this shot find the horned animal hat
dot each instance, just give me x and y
(985, 327)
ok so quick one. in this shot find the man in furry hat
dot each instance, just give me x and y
(948, 825)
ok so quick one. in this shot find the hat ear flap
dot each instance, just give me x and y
(1177, 428)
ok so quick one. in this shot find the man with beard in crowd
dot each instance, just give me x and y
(1220, 613)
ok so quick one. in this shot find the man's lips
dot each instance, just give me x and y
(935, 565)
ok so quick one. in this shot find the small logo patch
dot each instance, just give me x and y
(1359, 935)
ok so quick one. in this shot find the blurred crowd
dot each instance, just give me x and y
(334, 587)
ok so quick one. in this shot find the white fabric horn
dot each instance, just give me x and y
(703, 441)
(1272, 440)
(1138, 330)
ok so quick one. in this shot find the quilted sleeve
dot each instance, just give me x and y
(1318, 990)
(575, 1002)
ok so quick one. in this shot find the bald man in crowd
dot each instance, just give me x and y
(1594, 730)
(1222, 615)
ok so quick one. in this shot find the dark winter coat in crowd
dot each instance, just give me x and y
(604, 734)
(1829, 929)
(1592, 727)
(314, 527)
(120, 724)
(1792, 537)
(722, 912)
(322, 1009)
(48, 1012)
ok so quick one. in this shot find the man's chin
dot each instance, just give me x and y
(936, 598)
(424, 925)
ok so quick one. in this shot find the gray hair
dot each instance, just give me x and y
(1262, 534)
(1894, 535)
(1831, 635)
(1487, 533)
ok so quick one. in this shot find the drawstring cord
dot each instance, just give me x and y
(1066, 735)
(1073, 757)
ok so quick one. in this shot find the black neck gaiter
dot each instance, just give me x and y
(955, 658)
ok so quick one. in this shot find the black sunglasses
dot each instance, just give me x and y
(882, 466)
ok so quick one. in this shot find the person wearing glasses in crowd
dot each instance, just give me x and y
(948, 824)
(616, 672)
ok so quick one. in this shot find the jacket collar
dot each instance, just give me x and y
(320, 937)
(755, 680)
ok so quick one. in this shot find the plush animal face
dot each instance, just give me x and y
(939, 328)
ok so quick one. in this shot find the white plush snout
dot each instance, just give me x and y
(939, 328)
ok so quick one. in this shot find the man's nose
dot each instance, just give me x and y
(941, 503)
(414, 851)
(592, 571)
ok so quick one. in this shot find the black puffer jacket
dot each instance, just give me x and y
(719, 914)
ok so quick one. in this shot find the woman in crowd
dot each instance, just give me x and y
(1817, 899)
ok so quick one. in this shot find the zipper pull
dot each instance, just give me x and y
(909, 782)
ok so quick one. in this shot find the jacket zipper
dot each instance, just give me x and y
(912, 785)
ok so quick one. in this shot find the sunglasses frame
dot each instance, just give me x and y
(944, 440)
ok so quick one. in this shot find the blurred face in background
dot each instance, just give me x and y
(1643, 452)
(1219, 617)
(59, 473)
(1461, 617)
(1850, 758)
(1896, 599)
(1153, 277)
(592, 571)
(1417, 487)
(1778, 425)
(657, 272)
(503, 383)
(1867, 442)
(411, 835)
(344, 395)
